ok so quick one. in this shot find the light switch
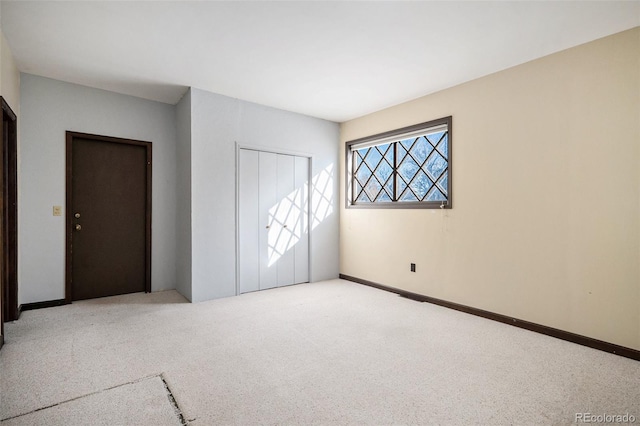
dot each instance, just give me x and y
(57, 210)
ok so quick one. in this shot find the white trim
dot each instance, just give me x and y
(237, 218)
(309, 214)
(273, 150)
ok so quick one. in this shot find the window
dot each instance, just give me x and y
(404, 168)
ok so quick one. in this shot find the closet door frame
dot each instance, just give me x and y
(272, 150)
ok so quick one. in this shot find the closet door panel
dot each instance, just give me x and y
(285, 215)
(268, 228)
(249, 243)
(301, 229)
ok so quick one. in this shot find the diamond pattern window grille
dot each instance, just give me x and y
(373, 173)
(411, 170)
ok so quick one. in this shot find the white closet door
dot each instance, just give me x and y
(301, 232)
(273, 223)
(249, 230)
(285, 215)
(268, 166)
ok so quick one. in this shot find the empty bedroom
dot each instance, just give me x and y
(319, 212)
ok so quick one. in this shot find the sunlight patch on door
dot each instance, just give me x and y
(289, 217)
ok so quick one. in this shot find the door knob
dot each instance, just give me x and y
(77, 215)
(78, 227)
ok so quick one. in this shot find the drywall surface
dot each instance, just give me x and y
(9, 76)
(546, 196)
(183, 196)
(50, 108)
(217, 124)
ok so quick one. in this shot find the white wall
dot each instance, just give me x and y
(217, 123)
(183, 196)
(545, 222)
(48, 109)
(194, 143)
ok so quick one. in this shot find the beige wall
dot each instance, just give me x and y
(9, 76)
(546, 196)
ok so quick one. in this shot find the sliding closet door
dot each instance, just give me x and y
(273, 213)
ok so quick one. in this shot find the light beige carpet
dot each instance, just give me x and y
(331, 353)
(142, 401)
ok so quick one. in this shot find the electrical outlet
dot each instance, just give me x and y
(413, 267)
(57, 210)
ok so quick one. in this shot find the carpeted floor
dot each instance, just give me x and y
(327, 353)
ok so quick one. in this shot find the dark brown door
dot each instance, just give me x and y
(108, 216)
(8, 216)
(3, 284)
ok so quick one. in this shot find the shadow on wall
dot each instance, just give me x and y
(291, 216)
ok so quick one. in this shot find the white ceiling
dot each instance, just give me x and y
(335, 60)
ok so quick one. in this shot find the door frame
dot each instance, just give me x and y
(9, 187)
(71, 135)
(270, 150)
